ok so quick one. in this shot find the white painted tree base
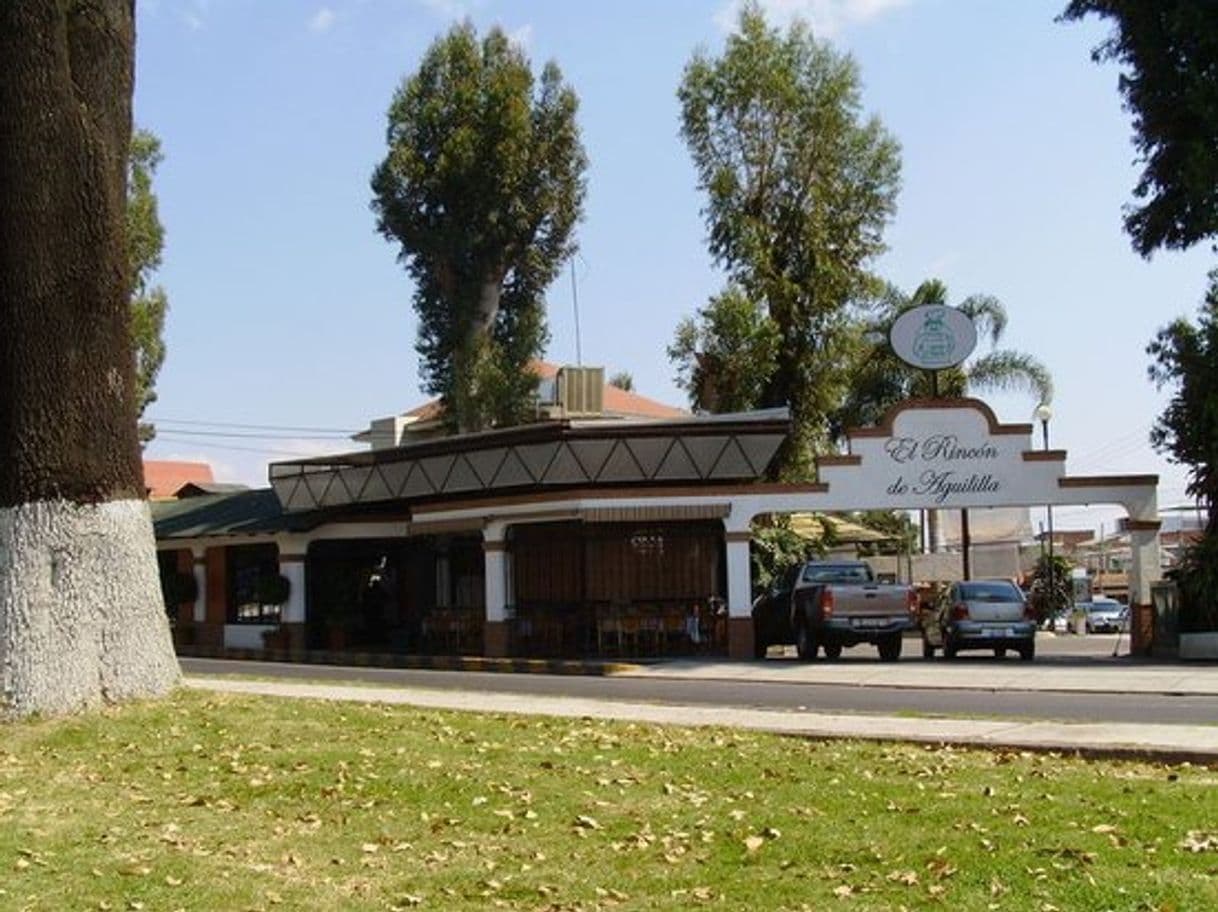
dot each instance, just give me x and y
(81, 617)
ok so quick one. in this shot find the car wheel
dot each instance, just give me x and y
(805, 643)
(760, 646)
(890, 648)
(1000, 652)
(949, 649)
(833, 650)
(1028, 653)
(928, 651)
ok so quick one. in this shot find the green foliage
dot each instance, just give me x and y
(881, 379)
(726, 357)
(1197, 576)
(1169, 52)
(622, 380)
(799, 189)
(145, 241)
(1185, 358)
(775, 548)
(1052, 588)
(896, 524)
(481, 188)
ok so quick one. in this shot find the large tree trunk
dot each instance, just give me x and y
(81, 620)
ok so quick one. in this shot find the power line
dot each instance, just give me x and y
(247, 434)
(169, 435)
(250, 427)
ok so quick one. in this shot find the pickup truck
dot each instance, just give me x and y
(832, 604)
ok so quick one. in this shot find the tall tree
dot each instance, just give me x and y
(80, 613)
(1185, 359)
(726, 357)
(1169, 49)
(145, 241)
(481, 188)
(879, 379)
(799, 189)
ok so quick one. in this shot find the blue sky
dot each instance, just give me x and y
(289, 310)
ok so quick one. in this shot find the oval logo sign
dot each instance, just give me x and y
(933, 337)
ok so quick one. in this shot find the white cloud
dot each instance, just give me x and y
(521, 37)
(322, 20)
(826, 17)
(193, 13)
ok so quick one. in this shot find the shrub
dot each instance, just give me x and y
(274, 590)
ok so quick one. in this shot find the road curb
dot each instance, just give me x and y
(1155, 743)
(422, 662)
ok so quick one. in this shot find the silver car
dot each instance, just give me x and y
(981, 614)
(1104, 615)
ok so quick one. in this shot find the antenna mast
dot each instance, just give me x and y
(579, 356)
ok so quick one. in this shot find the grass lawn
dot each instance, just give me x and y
(228, 803)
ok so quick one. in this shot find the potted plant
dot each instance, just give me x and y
(274, 590)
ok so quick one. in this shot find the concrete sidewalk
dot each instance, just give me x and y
(1081, 676)
(1172, 743)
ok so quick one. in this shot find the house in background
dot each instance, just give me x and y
(562, 393)
(164, 478)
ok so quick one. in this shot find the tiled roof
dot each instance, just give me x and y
(617, 402)
(163, 478)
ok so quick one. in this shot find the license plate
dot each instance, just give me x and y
(997, 633)
(869, 622)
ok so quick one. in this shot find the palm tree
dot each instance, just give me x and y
(881, 379)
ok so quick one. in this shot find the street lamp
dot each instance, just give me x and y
(1042, 414)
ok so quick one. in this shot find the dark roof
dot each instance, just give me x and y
(240, 513)
(547, 456)
(199, 488)
(763, 421)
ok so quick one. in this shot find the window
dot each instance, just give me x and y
(246, 565)
(990, 592)
(838, 573)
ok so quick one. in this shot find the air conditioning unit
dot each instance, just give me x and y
(581, 390)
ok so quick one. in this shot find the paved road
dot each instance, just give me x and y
(759, 686)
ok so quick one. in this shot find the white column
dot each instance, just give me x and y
(494, 550)
(1144, 567)
(292, 554)
(739, 576)
(293, 568)
(198, 555)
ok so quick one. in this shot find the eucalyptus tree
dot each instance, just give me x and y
(81, 620)
(481, 188)
(727, 355)
(145, 242)
(799, 187)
